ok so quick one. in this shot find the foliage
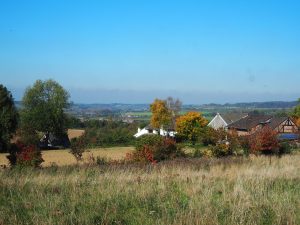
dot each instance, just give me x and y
(212, 136)
(28, 136)
(109, 133)
(25, 155)
(154, 148)
(285, 148)
(191, 126)
(78, 147)
(74, 123)
(8, 117)
(202, 152)
(221, 149)
(161, 115)
(227, 147)
(168, 150)
(43, 107)
(149, 140)
(145, 155)
(264, 140)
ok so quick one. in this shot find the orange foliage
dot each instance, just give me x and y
(161, 115)
(264, 140)
(297, 121)
(190, 125)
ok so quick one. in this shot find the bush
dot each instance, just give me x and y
(149, 140)
(285, 148)
(78, 146)
(264, 141)
(222, 143)
(168, 150)
(154, 148)
(221, 149)
(197, 153)
(144, 155)
(212, 136)
(25, 155)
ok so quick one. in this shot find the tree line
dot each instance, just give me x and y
(43, 113)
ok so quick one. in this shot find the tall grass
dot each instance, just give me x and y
(259, 190)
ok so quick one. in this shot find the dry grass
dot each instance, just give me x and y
(64, 158)
(75, 133)
(253, 190)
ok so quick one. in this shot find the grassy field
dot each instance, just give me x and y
(63, 157)
(255, 190)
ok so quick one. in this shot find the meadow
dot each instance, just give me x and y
(233, 190)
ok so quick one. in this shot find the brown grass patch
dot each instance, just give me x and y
(75, 133)
(64, 157)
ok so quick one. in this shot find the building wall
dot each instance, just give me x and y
(284, 127)
(217, 122)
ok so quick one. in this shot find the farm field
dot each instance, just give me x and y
(64, 157)
(255, 190)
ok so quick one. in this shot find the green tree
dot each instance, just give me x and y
(43, 108)
(8, 117)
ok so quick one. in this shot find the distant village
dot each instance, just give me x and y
(242, 123)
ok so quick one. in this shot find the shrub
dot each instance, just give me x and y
(264, 141)
(149, 140)
(78, 146)
(212, 136)
(221, 149)
(154, 148)
(223, 143)
(144, 155)
(197, 153)
(285, 148)
(207, 153)
(168, 150)
(25, 155)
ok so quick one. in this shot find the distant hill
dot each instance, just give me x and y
(255, 105)
(121, 107)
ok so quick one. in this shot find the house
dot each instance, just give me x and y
(50, 141)
(149, 130)
(285, 126)
(222, 121)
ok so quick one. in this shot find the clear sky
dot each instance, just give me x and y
(133, 51)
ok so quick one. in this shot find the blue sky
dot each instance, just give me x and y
(134, 51)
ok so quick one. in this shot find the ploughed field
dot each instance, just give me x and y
(254, 190)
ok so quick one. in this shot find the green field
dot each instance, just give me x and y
(255, 190)
(145, 116)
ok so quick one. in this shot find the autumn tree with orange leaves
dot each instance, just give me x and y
(190, 126)
(161, 115)
(264, 140)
